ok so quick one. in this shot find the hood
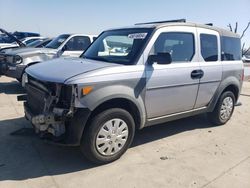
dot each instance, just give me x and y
(28, 51)
(6, 45)
(61, 69)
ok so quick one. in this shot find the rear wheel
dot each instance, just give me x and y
(109, 135)
(223, 109)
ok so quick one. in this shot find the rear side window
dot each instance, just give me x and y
(231, 49)
(209, 47)
(78, 43)
(179, 45)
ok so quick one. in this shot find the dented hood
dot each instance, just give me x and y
(61, 69)
(25, 52)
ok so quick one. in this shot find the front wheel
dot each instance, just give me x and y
(223, 109)
(108, 136)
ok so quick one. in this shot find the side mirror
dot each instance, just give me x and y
(160, 58)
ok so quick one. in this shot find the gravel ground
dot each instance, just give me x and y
(184, 153)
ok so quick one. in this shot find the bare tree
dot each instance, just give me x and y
(230, 27)
(245, 51)
(235, 30)
(244, 31)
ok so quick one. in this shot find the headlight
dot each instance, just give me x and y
(9, 59)
(13, 59)
(24, 79)
(17, 59)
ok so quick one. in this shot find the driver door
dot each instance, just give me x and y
(172, 88)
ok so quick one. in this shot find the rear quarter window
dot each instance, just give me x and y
(209, 47)
(231, 48)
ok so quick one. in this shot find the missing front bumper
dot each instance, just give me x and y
(50, 123)
(50, 109)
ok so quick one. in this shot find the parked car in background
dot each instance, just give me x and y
(66, 45)
(21, 35)
(29, 40)
(8, 45)
(25, 41)
(36, 42)
(246, 57)
(41, 43)
(131, 78)
(7, 40)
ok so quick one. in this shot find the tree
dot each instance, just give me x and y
(235, 30)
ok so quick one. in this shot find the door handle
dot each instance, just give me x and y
(197, 74)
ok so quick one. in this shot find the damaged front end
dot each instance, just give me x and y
(49, 106)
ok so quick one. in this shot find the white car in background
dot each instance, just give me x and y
(29, 40)
(24, 41)
(246, 57)
(6, 40)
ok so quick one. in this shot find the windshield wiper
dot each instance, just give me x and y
(98, 59)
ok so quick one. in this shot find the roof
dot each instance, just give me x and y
(157, 25)
(80, 34)
(27, 38)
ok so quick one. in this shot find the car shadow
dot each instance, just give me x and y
(164, 130)
(13, 87)
(24, 156)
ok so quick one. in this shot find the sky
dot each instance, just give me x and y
(54, 17)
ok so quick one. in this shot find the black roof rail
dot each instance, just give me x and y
(166, 21)
(210, 24)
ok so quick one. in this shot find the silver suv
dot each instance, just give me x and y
(131, 78)
(15, 61)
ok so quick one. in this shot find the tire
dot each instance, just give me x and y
(215, 116)
(102, 128)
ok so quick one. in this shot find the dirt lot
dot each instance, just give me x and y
(184, 153)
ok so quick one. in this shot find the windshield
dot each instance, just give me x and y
(35, 43)
(28, 41)
(55, 43)
(118, 46)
